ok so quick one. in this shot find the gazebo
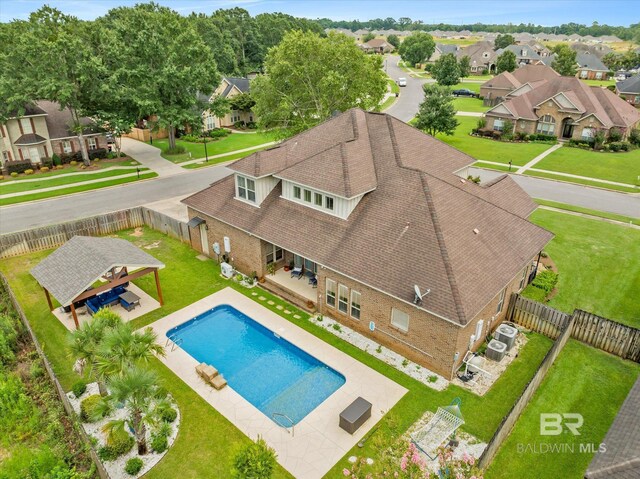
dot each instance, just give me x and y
(69, 273)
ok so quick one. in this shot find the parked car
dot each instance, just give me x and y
(110, 139)
(402, 82)
(465, 92)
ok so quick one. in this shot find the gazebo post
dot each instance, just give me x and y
(75, 316)
(155, 272)
(46, 293)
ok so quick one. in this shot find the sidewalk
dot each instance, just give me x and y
(538, 158)
(67, 175)
(229, 153)
(149, 156)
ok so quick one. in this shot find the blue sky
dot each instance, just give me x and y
(543, 12)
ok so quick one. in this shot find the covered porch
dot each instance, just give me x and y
(87, 274)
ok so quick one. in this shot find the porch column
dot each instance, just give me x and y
(155, 273)
(75, 316)
(46, 293)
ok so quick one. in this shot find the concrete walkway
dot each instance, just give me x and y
(538, 158)
(476, 114)
(149, 156)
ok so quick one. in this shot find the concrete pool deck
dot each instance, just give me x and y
(317, 442)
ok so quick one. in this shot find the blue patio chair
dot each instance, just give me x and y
(313, 281)
(297, 272)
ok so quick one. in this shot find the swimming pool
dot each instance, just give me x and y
(274, 375)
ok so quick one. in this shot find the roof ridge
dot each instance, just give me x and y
(443, 250)
(394, 141)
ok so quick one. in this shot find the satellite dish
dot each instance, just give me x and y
(419, 295)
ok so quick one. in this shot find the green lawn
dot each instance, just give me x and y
(491, 150)
(583, 380)
(469, 104)
(185, 280)
(603, 83)
(96, 166)
(599, 265)
(580, 181)
(618, 167)
(76, 189)
(587, 211)
(235, 141)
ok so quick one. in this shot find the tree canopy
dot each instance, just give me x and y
(446, 70)
(437, 113)
(506, 62)
(309, 77)
(367, 37)
(565, 61)
(393, 40)
(464, 66)
(503, 41)
(417, 48)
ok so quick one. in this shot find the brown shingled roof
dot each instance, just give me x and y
(415, 227)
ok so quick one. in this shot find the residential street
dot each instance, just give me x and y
(406, 106)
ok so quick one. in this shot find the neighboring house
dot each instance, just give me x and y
(43, 130)
(565, 107)
(599, 50)
(629, 90)
(590, 67)
(443, 49)
(228, 88)
(525, 54)
(501, 85)
(539, 48)
(360, 34)
(482, 57)
(368, 208)
(377, 45)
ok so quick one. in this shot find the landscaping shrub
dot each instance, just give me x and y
(44, 169)
(481, 123)
(36, 370)
(46, 162)
(28, 172)
(133, 466)
(10, 332)
(634, 137)
(159, 443)
(252, 125)
(177, 150)
(240, 125)
(256, 461)
(73, 162)
(542, 137)
(219, 133)
(521, 136)
(17, 166)
(619, 146)
(541, 286)
(14, 174)
(168, 414)
(97, 153)
(192, 138)
(78, 388)
(614, 135)
(55, 159)
(88, 407)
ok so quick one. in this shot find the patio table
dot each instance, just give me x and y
(129, 300)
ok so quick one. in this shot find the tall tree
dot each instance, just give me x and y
(464, 66)
(506, 62)
(503, 41)
(417, 48)
(160, 61)
(309, 77)
(245, 38)
(50, 57)
(271, 27)
(211, 31)
(565, 61)
(446, 70)
(437, 113)
(242, 102)
(393, 40)
(369, 36)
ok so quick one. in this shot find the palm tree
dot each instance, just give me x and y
(122, 347)
(137, 389)
(84, 342)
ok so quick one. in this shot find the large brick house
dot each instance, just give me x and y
(565, 107)
(370, 207)
(501, 85)
(42, 130)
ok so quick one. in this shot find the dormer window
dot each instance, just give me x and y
(246, 188)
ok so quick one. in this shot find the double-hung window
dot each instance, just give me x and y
(317, 199)
(25, 123)
(343, 298)
(328, 202)
(274, 253)
(66, 146)
(297, 192)
(546, 125)
(501, 300)
(307, 196)
(246, 188)
(93, 144)
(355, 304)
(400, 319)
(331, 293)
(588, 133)
(523, 280)
(498, 124)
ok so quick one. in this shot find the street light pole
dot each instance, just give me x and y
(206, 155)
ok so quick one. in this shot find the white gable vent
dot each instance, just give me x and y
(476, 231)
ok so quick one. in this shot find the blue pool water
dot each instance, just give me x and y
(268, 371)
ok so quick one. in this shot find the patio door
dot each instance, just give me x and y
(309, 266)
(204, 241)
(34, 155)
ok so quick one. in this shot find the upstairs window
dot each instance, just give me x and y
(307, 196)
(246, 188)
(25, 123)
(297, 192)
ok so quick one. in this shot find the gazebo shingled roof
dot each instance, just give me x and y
(71, 269)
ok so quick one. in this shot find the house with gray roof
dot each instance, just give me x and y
(42, 129)
(229, 88)
(383, 230)
(525, 54)
(590, 67)
(443, 49)
(481, 55)
(629, 90)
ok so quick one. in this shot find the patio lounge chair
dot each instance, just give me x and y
(297, 272)
(219, 382)
(206, 372)
(313, 281)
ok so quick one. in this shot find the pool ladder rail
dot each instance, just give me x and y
(174, 344)
(275, 415)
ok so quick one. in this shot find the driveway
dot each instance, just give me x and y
(150, 157)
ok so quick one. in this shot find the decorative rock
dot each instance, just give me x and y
(262, 298)
(286, 311)
(297, 316)
(271, 303)
(279, 307)
(352, 459)
(254, 294)
(369, 461)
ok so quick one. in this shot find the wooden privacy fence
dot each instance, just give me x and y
(47, 237)
(596, 331)
(512, 416)
(54, 379)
